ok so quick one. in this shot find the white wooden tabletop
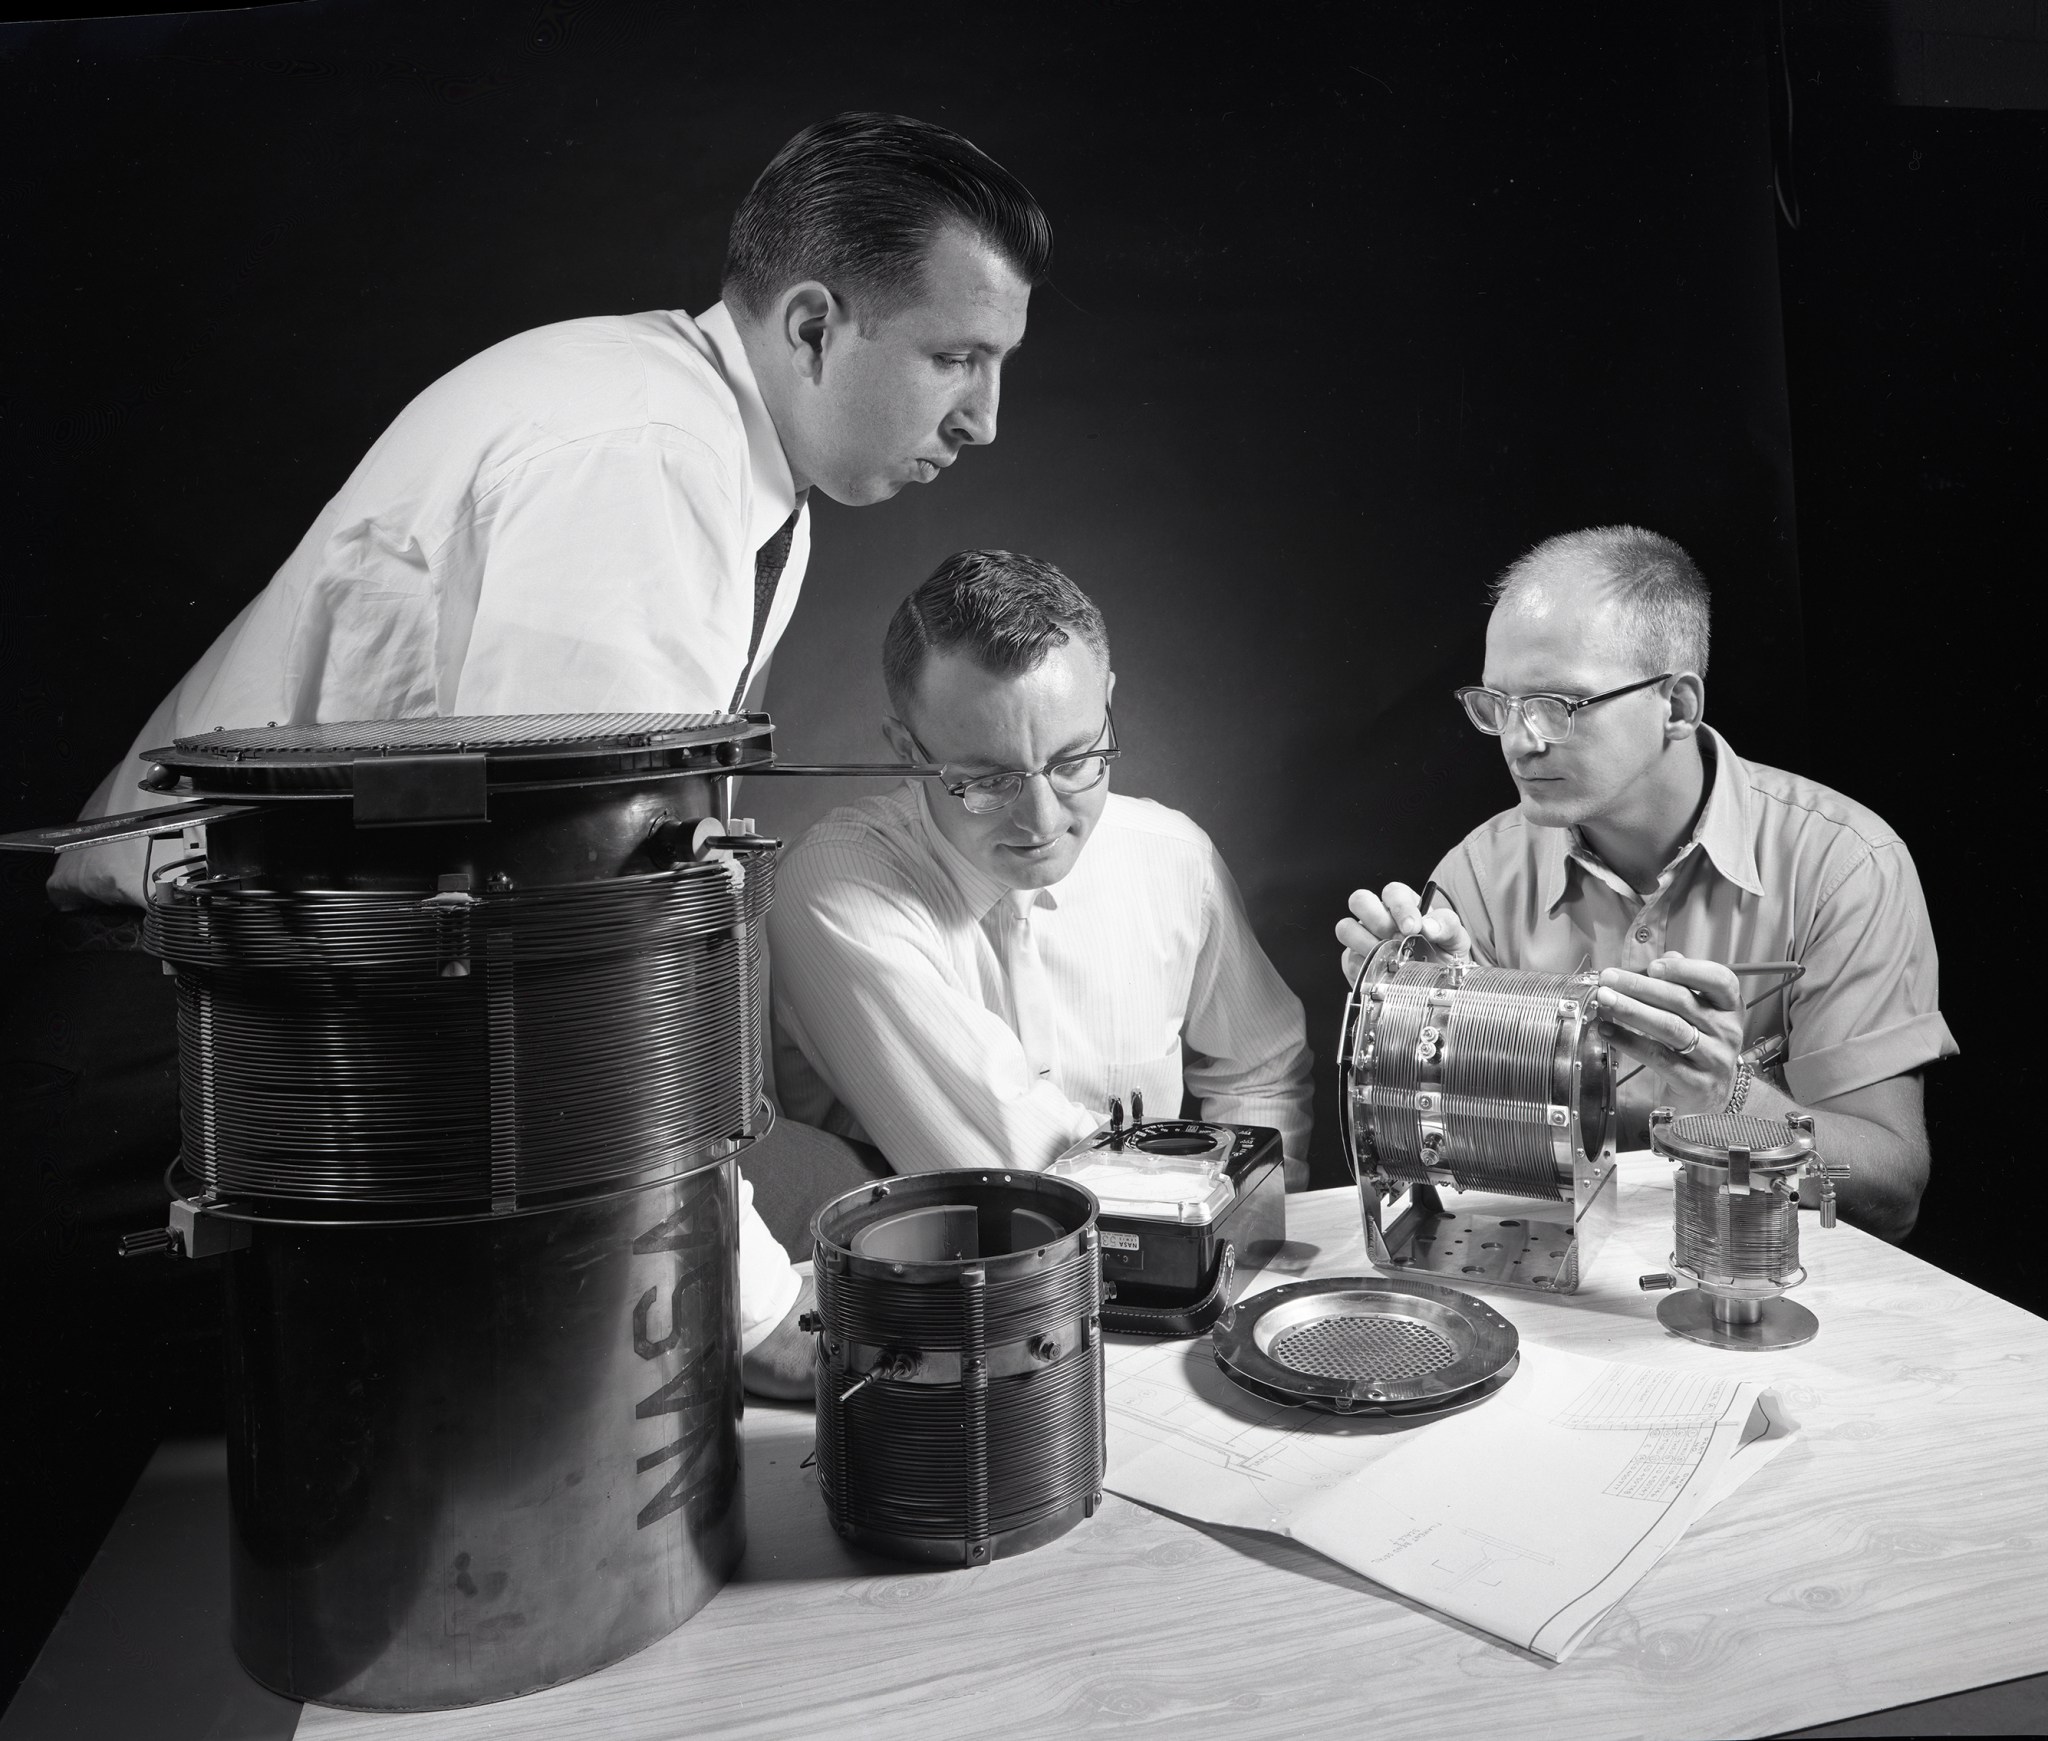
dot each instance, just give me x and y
(1897, 1550)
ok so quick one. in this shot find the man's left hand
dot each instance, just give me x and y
(1684, 1020)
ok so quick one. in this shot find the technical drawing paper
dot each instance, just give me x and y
(1528, 1515)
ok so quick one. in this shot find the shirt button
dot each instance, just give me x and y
(1643, 936)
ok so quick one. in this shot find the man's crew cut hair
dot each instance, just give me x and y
(1006, 611)
(1660, 596)
(856, 203)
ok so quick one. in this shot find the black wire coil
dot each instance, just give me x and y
(387, 1052)
(960, 1404)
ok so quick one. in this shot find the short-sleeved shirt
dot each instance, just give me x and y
(1779, 868)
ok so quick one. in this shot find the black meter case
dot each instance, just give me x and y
(1184, 1205)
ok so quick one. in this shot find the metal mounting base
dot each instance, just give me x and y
(1543, 1248)
(1780, 1323)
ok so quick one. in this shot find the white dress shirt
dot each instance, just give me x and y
(922, 1006)
(566, 523)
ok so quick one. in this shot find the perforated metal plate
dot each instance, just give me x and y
(1361, 1345)
(1373, 1348)
(511, 749)
(344, 740)
(1708, 1136)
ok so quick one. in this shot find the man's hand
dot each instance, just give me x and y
(1684, 1019)
(779, 1369)
(1397, 913)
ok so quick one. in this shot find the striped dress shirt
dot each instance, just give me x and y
(897, 1007)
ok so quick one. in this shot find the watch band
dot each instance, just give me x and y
(1744, 1075)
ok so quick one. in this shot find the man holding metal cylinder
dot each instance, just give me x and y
(1645, 846)
(609, 515)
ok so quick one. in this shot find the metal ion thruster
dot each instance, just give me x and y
(1735, 1232)
(468, 1044)
(1454, 1076)
(960, 1366)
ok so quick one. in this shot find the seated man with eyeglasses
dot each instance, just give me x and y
(967, 969)
(1645, 847)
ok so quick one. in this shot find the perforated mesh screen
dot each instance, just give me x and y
(1353, 1346)
(512, 731)
(1737, 1130)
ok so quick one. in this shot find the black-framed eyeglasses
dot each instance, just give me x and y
(1067, 775)
(1548, 717)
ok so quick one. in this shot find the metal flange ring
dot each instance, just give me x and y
(1364, 1345)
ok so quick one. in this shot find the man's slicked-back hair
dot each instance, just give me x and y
(1005, 611)
(1660, 597)
(856, 202)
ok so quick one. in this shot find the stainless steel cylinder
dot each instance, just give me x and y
(1481, 1078)
(471, 1460)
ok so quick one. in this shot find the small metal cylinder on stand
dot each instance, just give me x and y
(1735, 1226)
(960, 1371)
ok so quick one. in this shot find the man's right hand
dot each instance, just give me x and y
(1397, 912)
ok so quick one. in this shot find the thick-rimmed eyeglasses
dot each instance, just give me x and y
(1548, 717)
(1067, 775)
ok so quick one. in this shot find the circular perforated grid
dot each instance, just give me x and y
(342, 738)
(1722, 1130)
(1356, 1346)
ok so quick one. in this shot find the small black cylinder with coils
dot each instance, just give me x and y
(960, 1370)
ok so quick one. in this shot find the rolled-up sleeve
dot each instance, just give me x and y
(1869, 1004)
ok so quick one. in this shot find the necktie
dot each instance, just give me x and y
(1031, 1002)
(769, 562)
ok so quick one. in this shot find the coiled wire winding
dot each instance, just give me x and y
(1723, 1237)
(1729, 1238)
(1465, 1069)
(384, 1051)
(960, 1401)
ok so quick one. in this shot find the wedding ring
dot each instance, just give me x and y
(1691, 1046)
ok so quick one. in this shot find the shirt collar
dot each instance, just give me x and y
(979, 892)
(1723, 833)
(1727, 832)
(775, 496)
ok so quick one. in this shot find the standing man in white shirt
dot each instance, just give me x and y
(609, 514)
(967, 969)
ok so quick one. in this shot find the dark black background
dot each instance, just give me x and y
(1352, 303)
